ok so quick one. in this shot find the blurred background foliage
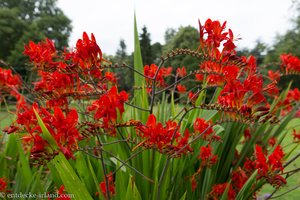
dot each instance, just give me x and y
(25, 20)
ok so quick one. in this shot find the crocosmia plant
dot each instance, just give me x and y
(74, 132)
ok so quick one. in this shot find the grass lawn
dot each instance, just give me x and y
(5, 120)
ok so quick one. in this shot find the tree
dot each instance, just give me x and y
(25, 20)
(185, 37)
(121, 54)
(169, 34)
(156, 52)
(125, 75)
(145, 43)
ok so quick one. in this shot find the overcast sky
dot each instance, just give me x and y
(111, 20)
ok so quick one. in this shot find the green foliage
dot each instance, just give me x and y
(22, 21)
(124, 74)
(146, 48)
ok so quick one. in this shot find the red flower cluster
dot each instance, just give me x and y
(62, 128)
(107, 108)
(288, 103)
(88, 53)
(246, 98)
(290, 64)
(42, 54)
(274, 76)
(216, 35)
(111, 185)
(207, 160)
(218, 74)
(158, 136)
(206, 155)
(9, 84)
(219, 189)
(224, 64)
(7, 79)
(204, 128)
(181, 72)
(69, 74)
(267, 168)
(239, 178)
(150, 71)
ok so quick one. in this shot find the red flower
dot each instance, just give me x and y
(192, 97)
(181, 88)
(290, 64)
(202, 127)
(193, 183)
(66, 133)
(87, 53)
(158, 136)
(268, 168)
(206, 155)
(151, 70)
(3, 185)
(296, 136)
(181, 72)
(7, 79)
(10, 83)
(272, 141)
(239, 178)
(55, 82)
(261, 161)
(249, 166)
(294, 95)
(233, 94)
(274, 76)
(275, 159)
(218, 190)
(247, 134)
(61, 193)
(212, 35)
(199, 77)
(110, 76)
(62, 128)
(111, 185)
(41, 54)
(271, 89)
(183, 141)
(107, 108)
(155, 134)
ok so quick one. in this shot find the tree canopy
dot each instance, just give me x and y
(25, 20)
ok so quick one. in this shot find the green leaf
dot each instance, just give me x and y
(183, 196)
(140, 96)
(46, 134)
(132, 191)
(95, 180)
(225, 193)
(247, 188)
(69, 178)
(84, 172)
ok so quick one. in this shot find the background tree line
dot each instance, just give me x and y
(24, 20)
